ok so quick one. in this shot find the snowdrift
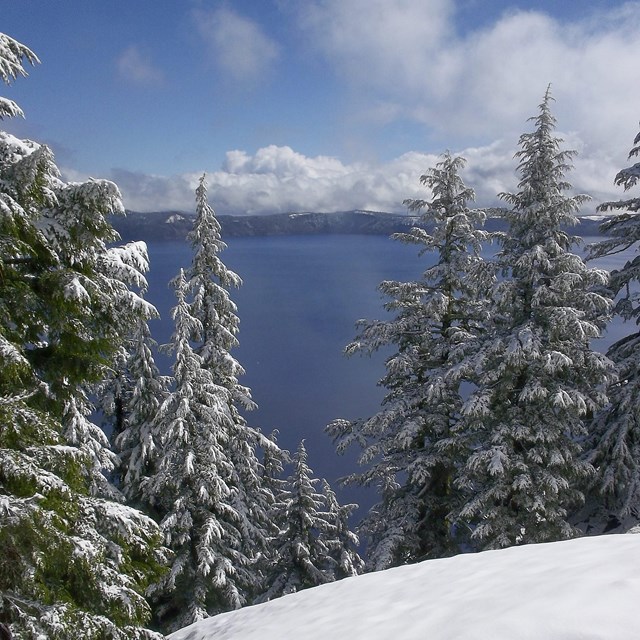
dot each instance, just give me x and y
(584, 588)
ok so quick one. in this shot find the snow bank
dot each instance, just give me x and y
(577, 589)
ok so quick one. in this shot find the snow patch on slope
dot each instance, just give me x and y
(584, 588)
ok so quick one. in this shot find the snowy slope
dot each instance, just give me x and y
(579, 589)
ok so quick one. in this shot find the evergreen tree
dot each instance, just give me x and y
(301, 558)
(111, 397)
(273, 463)
(539, 379)
(341, 542)
(13, 55)
(410, 448)
(274, 483)
(138, 403)
(209, 281)
(213, 337)
(117, 390)
(207, 485)
(194, 488)
(79, 431)
(615, 442)
(73, 564)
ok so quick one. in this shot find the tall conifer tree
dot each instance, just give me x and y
(341, 542)
(71, 560)
(411, 448)
(137, 444)
(539, 379)
(191, 489)
(301, 557)
(208, 488)
(208, 283)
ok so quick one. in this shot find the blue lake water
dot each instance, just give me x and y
(298, 306)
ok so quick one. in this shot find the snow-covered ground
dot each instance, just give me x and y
(584, 589)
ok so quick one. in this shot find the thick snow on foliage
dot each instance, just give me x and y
(537, 378)
(412, 448)
(584, 588)
(12, 55)
(615, 436)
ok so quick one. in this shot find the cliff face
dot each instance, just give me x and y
(174, 225)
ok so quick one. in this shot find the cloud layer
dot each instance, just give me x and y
(471, 87)
(413, 57)
(278, 179)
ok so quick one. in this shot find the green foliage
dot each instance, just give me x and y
(73, 565)
(63, 548)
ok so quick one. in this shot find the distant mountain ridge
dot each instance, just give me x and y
(174, 225)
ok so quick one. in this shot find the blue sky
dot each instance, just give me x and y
(320, 104)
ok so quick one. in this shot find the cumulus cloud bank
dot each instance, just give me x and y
(279, 180)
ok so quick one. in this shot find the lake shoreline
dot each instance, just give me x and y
(175, 225)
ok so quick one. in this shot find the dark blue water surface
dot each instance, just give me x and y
(298, 306)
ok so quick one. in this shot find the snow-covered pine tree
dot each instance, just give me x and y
(273, 462)
(274, 484)
(411, 450)
(139, 402)
(538, 378)
(102, 283)
(301, 557)
(13, 55)
(209, 281)
(193, 489)
(340, 541)
(70, 560)
(111, 395)
(615, 440)
(79, 431)
(213, 337)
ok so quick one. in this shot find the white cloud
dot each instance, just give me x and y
(137, 68)
(144, 192)
(236, 44)
(411, 58)
(278, 179)
(386, 43)
(408, 60)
